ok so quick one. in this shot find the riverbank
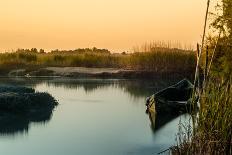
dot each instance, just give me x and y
(82, 72)
(149, 63)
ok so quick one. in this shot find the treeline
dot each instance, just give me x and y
(57, 51)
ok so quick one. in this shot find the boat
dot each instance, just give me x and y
(174, 99)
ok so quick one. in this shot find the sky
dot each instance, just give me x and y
(117, 25)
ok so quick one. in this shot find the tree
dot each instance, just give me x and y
(223, 24)
(34, 50)
(41, 51)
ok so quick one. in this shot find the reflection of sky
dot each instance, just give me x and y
(104, 121)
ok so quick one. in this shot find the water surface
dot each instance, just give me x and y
(94, 117)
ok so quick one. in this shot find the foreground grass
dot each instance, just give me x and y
(213, 132)
(155, 59)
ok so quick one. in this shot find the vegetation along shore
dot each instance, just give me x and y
(211, 129)
(153, 61)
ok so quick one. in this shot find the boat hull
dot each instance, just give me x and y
(175, 99)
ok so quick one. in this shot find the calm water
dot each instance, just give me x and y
(94, 117)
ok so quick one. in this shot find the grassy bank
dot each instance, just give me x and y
(156, 59)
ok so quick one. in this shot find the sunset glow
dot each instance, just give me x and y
(117, 25)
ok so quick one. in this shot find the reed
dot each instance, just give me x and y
(212, 126)
(156, 58)
(213, 133)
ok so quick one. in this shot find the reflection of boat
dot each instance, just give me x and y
(174, 99)
(159, 120)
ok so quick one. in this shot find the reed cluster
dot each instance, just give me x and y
(212, 133)
(155, 59)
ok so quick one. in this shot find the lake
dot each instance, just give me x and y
(94, 117)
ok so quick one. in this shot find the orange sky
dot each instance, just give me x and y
(117, 25)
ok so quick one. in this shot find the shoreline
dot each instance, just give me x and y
(84, 72)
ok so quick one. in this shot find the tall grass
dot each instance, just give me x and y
(213, 133)
(155, 58)
(163, 59)
(212, 126)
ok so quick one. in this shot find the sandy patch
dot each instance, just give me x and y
(82, 70)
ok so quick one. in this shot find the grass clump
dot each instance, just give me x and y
(23, 100)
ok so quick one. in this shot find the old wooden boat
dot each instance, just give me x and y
(175, 99)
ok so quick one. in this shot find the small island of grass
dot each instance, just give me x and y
(22, 105)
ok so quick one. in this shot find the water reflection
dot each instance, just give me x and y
(135, 87)
(94, 116)
(160, 120)
(19, 106)
(13, 124)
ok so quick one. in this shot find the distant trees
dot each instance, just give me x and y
(79, 50)
(82, 50)
(33, 50)
(41, 51)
